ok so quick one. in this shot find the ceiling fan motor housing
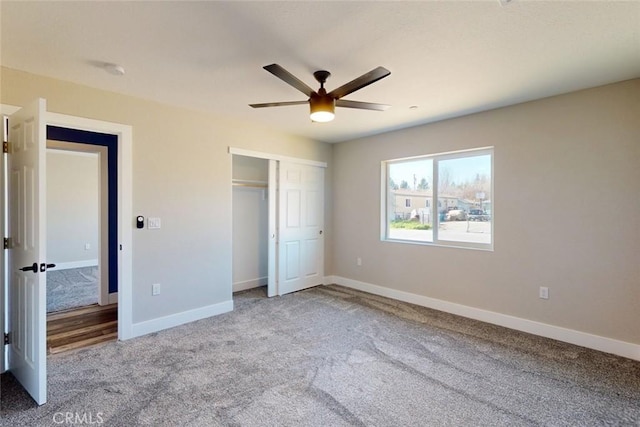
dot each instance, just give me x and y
(322, 106)
(321, 76)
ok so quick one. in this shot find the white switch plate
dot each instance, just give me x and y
(153, 223)
(544, 292)
(359, 261)
(87, 246)
(155, 289)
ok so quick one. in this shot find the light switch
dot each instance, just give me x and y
(153, 223)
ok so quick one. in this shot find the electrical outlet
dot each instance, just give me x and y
(544, 292)
(359, 261)
(155, 289)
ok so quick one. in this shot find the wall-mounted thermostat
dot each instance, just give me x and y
(139, 221)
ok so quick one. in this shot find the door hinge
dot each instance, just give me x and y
(7, 242)
(5, 147)
(7, 338)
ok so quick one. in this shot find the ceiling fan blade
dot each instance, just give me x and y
(361, 105)
(287, 77)
(362, 81)
(278, 104)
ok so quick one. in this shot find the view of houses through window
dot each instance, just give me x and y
(442, 198)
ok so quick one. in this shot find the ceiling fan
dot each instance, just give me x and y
(323, 104)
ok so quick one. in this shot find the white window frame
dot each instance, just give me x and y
(384, 199)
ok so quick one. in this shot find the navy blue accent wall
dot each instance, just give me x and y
(111, 142)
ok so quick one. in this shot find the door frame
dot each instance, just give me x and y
(274, 159)
(124, 134)
(125, 224)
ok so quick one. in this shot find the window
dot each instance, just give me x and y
(456, 191)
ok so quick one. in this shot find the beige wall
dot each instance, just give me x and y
(181, 174)
(250, 168)
(72, 206)
(561, 164)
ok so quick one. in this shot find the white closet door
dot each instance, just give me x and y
(300, 227)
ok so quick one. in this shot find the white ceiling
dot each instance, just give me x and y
(447, 58)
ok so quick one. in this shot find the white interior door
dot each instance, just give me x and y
(27, 253)
(301, 227)
(2, 227)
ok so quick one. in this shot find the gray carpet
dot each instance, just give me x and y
(331, 356)
(71, 288)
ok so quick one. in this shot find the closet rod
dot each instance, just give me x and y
(249, 183)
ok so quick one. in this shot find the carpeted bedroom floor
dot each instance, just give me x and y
(332, 356)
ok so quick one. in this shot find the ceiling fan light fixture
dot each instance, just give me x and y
(322, 116)
(322, 108)
(321, 103)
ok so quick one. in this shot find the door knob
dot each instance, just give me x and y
(44, 267)
(33, 268)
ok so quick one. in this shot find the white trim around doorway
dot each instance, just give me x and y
(270, 156)
(125, 225)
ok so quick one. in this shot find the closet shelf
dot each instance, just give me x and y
(249, 183)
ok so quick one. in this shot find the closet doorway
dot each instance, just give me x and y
(250, 222)
(278, 222)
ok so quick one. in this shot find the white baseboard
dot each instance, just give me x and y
(74, 264)
(113, 298)
(571, 336)
(166, 322)
(249, 284)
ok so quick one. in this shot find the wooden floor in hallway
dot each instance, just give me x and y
(81, 327)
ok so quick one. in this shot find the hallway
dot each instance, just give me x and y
(83, 327)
